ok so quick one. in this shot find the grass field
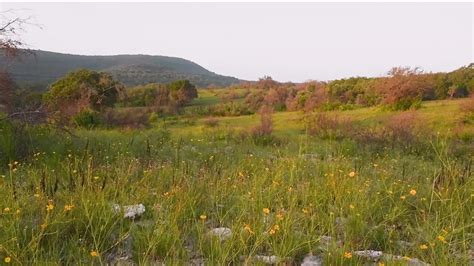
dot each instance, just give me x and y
(441, 116)
(214, 197)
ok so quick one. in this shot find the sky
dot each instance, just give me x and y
(287, 41)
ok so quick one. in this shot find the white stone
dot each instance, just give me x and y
(409, 261)
(369, 254)
(130, 211)
(223, 233)
(267, 259)
(311, 260)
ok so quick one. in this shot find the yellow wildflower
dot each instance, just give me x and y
(266, 210)
(403, 197)
(50, 206)
(6, 209)
(442, 239)
(248, 229)
(68, 207)
(413, 192)
(94, 253)
(351, 206)
(352, 174)
(279, 216)
(203, 217)
(347, 255)
(423, 246)
(7, 259)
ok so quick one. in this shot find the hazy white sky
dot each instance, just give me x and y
(288, 41)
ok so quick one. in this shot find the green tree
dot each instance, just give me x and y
(182, 92)
(83, 89)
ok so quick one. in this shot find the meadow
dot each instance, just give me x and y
(215, 196)
(139, 159)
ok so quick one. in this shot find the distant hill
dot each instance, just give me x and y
(43, 68)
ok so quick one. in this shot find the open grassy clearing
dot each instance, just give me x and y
(301, 195)
(442, 116)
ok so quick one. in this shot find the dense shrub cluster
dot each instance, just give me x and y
(402, 89)
(165, 98)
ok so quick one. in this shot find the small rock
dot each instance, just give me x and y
(311, 260)
(197, 262)
(223, 233)
(130, 211)
(370, 254)
(267, 259)
(410, 261)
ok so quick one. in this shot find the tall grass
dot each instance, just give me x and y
(56, 204)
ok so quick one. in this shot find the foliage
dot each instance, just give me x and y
(85, 89)
(182, 91)
(7, 88)
(211, 122)
(127, 117)
(87, 118)
(262, 133)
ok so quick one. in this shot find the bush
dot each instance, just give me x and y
(404, 128)
(127, 117)
(86, 119)
(211, 122)
(467, 108)
(265, 128)
(328, 126)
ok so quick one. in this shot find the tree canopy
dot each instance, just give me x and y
(89, 89)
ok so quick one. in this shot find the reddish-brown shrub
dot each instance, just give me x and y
(467, 107)
(405, 128)
(325, 125)
(228, 96)
(265, 128)
(405, 88)
(211, 122)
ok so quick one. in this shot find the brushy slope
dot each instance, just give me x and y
(44, 67)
